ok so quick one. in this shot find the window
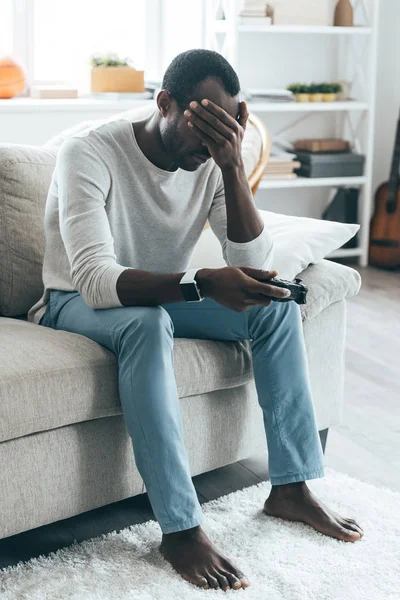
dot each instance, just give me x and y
(67, 32)
(54, 39)
(6, 28)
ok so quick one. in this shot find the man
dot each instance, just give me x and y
(138, 194)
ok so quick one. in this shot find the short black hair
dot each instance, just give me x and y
(193, 66)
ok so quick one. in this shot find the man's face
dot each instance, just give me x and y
(184, 148)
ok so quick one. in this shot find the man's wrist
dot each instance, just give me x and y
(203, 279)
(234, 169)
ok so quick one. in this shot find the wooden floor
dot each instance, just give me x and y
(366, 445)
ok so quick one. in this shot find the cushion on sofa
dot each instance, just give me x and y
(51, 378)
(327, 282)
(25, 175)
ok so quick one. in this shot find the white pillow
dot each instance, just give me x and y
(298, 242)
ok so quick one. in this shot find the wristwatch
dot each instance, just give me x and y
(189, 286)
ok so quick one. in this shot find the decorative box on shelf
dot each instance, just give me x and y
(301, 12)
(330, 164)
(117, 79)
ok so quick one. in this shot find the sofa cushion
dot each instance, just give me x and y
(51, 378)
(327, 282)
(25, 176)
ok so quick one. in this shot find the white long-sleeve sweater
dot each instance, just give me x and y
(109, 208)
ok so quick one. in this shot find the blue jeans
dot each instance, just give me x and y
(142, 338)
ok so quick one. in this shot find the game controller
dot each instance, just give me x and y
(298, 291)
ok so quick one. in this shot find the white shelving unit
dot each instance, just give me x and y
(308, 182)
(356, 62)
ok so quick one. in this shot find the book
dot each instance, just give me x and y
(280, 176)
(52, 91)
(255, 21)
(285, 167)
(268, 95)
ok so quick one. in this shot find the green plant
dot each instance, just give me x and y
(109, 60)
(336, 88)
(303, 89)
(325, 88)
(298, 88)
(294, 87)
(315, 88)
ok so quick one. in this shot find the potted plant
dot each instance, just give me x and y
(112, 74)
(300, 90)
(330, 91)
(315, 92)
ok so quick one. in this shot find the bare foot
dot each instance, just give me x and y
(194, 557)
(295, 502)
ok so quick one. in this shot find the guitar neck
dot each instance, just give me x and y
(394, 173)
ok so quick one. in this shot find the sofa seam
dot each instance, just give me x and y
(57, 371)
(49, 428)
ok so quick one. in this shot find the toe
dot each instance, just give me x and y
(212, 581)
(233, 580)
(198, 580)
(348, 535)
(236, 573)
(351, 524)
(223, 581)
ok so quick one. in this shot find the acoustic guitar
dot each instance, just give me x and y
(384, 242)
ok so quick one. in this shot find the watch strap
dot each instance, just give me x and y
(189, 275)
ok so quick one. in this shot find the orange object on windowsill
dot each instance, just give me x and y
(12, 78)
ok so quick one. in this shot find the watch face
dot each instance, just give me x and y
(190, 292)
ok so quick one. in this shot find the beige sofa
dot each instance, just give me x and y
(64, 446)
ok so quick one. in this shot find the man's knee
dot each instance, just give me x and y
(152, 319)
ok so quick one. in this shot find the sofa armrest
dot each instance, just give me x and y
(327, 282)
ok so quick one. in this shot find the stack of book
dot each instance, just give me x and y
(281, 166)
(254, 12)
(268, 95)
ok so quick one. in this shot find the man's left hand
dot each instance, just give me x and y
(220, 132)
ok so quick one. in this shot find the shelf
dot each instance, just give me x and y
(344, 252)
(306, 106)
(30, 105)
(307, 182)
(222, 26)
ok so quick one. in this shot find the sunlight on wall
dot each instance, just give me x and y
(183, 28)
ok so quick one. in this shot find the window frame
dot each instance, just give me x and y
(24, 44)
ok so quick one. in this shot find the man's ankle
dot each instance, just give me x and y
(289, 488)
(185, 534)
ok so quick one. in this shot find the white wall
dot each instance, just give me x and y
(388, 89)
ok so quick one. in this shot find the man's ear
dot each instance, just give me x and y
(164, 102)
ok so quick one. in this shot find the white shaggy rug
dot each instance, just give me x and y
(283, 560)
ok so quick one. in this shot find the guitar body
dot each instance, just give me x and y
(384, 245)
(384, 235)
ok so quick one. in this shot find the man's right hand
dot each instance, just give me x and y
(236, 287)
